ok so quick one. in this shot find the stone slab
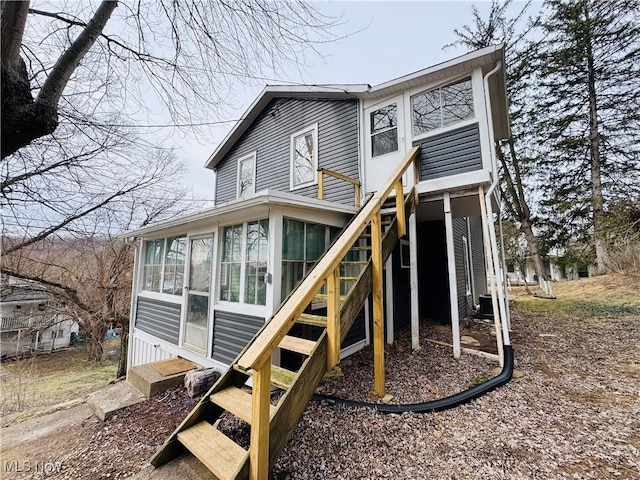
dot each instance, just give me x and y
(108, 401)
(149, 381)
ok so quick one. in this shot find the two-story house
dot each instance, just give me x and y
(346, 178)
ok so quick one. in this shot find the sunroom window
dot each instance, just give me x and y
(304, 157)
(245, 254)
(302, 246)
(442, 107)
(163, 269)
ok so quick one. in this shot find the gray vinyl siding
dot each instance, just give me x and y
(450, 153)
(477, 258)
(357, 332)
(459, 231)
(401, 292)
(270, 137)
(158, 318)
(231, 333)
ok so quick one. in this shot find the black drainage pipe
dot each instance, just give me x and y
(440, 404)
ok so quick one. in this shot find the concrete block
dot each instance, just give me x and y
(106, 402)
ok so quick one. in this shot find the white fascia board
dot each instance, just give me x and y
(278, 91)
(263, 198)
(469, 61)
(469, 179)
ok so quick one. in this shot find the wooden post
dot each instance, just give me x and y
(260, 412)
(453, 286)
(402, 221)
(356, 194)
(388, 298)
(413, 281)
(320, 184)
(378, 306)
(333, 318)
(491, 272)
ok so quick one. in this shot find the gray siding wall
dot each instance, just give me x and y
(231, 333)
(401, 292)
(158, 318)
(357, 332)
(477, 260)
(270, 136)
(459, 231)
(450, 153)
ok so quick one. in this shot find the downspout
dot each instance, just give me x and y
(492, 230)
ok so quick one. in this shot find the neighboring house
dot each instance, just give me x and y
(206, 282)
(29, 323)
(554, 270)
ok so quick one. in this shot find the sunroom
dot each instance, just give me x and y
(205, 283)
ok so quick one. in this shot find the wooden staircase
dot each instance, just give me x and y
(344, 277)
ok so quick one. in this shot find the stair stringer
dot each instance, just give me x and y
(294, 401)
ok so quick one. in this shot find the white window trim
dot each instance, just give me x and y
(253, 156)
(404, 262)
(395, 102)
(227, 304)
(314, 129)
(447, 128)
(467, 266)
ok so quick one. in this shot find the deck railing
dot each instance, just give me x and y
(356, 184)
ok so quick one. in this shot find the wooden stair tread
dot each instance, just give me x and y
(281, 377)
(361, 248)
(349, 279)
(237, 402)
(354, 262)
(313, 320)
(296, 344)
(214, 449)
(322, 297)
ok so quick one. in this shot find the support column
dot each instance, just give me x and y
(451, 267)
(333, 319)
(413, 281)
(491, 272)
(378, 306)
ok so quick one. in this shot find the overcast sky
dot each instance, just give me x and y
(393, 39)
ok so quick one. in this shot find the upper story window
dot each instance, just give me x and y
(304, 157)
(442, 106)
(163, 269)
(384, 130)
(245, 254)
(246, 184)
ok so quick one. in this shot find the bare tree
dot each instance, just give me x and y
(125, 56)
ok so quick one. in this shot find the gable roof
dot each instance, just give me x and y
(485, 58)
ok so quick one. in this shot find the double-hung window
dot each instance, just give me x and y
(246, 183)
(304, 157)
(163, 269)
(245, 254)
(384, 130)
(442, 107)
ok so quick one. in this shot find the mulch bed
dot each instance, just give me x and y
(574, 414)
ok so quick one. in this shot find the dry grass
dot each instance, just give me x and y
(47, 379)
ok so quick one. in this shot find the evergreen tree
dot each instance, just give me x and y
(513, 158)
(587, 115)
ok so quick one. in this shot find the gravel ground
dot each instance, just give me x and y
(575, 413)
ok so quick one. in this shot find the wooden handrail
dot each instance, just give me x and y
(259, 352)
(339, 176)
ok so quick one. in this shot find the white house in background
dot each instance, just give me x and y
(28, 322)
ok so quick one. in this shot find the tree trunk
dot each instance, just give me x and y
(23, 118)
(124, 349)
(95, 341)
(597, 199)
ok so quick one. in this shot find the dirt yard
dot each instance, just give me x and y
(574, 413)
